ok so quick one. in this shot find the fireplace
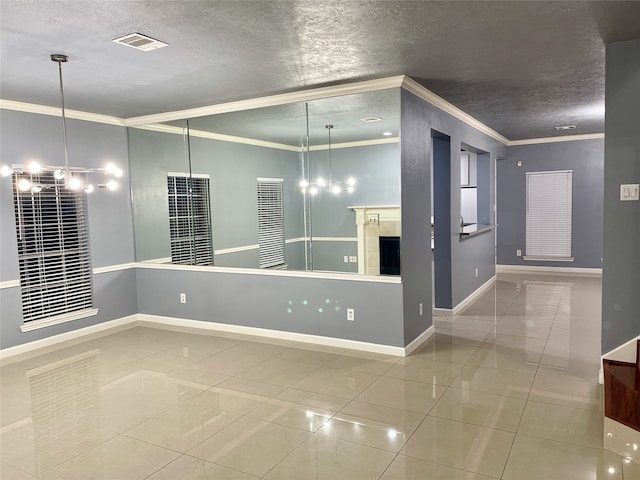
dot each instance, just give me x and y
(373, 222)
(389, 255)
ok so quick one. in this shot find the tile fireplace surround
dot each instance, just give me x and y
(373, 222)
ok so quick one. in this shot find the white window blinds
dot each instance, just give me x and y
(53, 250)
(549, 214)
(190, 219)
(270, 222)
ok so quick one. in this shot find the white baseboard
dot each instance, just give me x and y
(151, 320)
(140, 319)
(470, 299)
(591, 272)
(474, 296)
(419, 340)
(54, 340)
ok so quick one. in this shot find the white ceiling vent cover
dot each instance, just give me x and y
(370, 119)
(140, 42)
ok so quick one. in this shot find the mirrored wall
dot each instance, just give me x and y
(309, 186)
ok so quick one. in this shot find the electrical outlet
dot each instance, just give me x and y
(476, 272)
(421, 309)
(518, 253)
(183, 298)
(353, 259)
(351, 314)
(346, 259)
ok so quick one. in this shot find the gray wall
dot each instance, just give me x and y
(277, 303)
(586, 159)
(621, 271)
(26, 136)
(470, 253)
(415, 246)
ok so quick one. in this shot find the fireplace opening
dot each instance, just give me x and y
(389, 255)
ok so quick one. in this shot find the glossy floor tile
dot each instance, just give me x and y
(505, 390)
(250, 445)
(536, 458)
(372, 425)
(327, 458)
(410, 468)
(461, 445)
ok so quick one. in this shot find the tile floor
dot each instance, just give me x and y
(506, 390)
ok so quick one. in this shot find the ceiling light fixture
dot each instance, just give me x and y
(333, 186)
(565, 127)
(371, 119)
(29, 176)
(387, 134)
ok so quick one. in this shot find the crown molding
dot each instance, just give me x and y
(272, 100)
(57, 112)
(564, 138)
(216, 136)
(147, 122)
(360, 143)
(428, 96)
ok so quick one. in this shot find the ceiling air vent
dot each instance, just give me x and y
(370, 119)
(140, 42)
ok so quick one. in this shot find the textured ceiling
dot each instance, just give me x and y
(519, 67)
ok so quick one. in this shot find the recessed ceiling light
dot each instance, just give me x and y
(370, 119)
(565, 127)
(140, 42)
(387, 134)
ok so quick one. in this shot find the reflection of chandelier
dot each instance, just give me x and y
(29, 177)
(332, 186)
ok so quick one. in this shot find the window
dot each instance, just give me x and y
(190, 219)
(549, 214)
(53, 252)
(270, 222)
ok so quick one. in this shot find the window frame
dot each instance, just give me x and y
(271, 241)
(200, 250)
(54, 258)
(549, 221)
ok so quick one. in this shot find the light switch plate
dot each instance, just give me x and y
(630, 192)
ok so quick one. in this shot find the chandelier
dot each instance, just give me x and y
(71, 177)
(332, 186)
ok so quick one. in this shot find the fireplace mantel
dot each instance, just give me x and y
(373, 221)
